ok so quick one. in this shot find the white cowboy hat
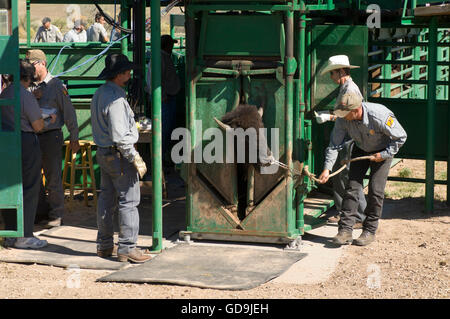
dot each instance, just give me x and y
(337, 62)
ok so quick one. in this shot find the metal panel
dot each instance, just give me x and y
(256, 35)
(10, 142)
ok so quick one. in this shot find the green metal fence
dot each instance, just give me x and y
(11, 199)
(410, 74)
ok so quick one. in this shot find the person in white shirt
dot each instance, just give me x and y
(77, 34)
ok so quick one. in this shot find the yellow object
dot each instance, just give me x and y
(86, 165)
(390, 121)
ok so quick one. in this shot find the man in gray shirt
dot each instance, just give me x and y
(377, 133)
(97, 31)
(115, 133)
(52, 95)
(30, 122)
(48, 32)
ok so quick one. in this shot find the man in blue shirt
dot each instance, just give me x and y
(115, 133)
(376, 132)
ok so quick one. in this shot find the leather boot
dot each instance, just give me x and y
(365, 239)
(134, 255)
(343, 237)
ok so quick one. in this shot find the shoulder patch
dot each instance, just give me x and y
(390, 121)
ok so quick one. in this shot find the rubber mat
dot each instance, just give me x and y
(68, 247)
(209, 266)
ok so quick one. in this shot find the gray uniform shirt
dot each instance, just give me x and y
(30, 110)
(378, 130)
(74, 36)
(97, 32)
(51, 35)
(113, 120)
(55, 96)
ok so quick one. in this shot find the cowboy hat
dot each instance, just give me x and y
(337, 62)
(115, 63)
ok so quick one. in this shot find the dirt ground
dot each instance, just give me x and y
(410, 259)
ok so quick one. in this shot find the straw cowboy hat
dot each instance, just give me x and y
(337, 62)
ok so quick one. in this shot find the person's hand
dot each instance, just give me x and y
(74, 146)
(52, 118)
(323, 116)
(139, 163)
(323, 178)
(377, 158)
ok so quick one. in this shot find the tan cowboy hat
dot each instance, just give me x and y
(337, 62)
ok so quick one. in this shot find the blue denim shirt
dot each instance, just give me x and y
(113, 120)
(378, 130)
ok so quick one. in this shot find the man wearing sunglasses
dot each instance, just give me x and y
(52, 96)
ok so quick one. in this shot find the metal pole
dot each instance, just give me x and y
(156, 125)
(431, 92)
(300, 223)
(28, 24)
(124, 22)
(289, 70)
(190, 110)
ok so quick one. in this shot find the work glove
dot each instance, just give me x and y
(139, 163)
(323, 116)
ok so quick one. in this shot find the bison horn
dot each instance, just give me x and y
(222, 125)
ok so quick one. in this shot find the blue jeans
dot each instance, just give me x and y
(121, 191)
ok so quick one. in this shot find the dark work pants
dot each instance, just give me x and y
(51, 148)
(31, 177)
(340, 182)
(378, 175)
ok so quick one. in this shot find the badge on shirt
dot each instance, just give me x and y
(390, 122)
(372, 132)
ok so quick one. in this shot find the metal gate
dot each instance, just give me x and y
(11, 199)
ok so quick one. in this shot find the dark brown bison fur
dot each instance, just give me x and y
(244, 116)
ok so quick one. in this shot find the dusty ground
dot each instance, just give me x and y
(410, 259)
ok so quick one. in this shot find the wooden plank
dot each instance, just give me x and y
(440, 10)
